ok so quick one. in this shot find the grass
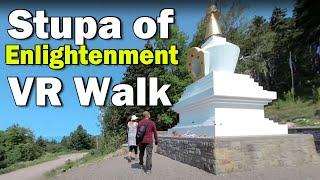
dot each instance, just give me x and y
(299, 112)
(68, 165)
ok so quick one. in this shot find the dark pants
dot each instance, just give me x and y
(133, 148)
(148, 148)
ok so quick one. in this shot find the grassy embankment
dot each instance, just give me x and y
(105, 149)
(44, 158)
(299, 112)
(88, 158)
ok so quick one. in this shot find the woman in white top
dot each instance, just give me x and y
(132, 131)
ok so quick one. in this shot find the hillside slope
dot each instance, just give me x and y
(300, 113)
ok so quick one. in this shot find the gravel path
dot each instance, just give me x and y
(166, 169)
(37, 171)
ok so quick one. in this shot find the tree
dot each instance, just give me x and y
(18, 135)
(306, 43)
(177, 76)
(282, 27)
(41, 142)
(257, 47)
(80, 139)
(305, 16)
(3, 162)
(18, 144)
(278, 19)
(115, 118)
(65, 142)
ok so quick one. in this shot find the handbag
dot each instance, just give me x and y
(140, 133)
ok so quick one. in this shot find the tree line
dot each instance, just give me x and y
(18, 144)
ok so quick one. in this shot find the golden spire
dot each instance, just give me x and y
(212, 17)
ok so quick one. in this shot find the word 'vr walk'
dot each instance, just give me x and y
(50, 88)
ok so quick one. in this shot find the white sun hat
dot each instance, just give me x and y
(134, 117)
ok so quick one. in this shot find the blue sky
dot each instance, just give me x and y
(56, 122)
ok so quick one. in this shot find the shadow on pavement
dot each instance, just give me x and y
(135, 166)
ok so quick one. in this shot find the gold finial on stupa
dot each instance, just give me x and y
(212, 17)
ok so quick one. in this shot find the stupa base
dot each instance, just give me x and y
(233, 154)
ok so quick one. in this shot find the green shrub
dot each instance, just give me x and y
(114, 141)
(109, 143)
(24, 152)
(317, 113)
(68, 165)
(316, 94)
(288, 96)
(55, 148)
(101, 145)
(14, 155)
(30, 151)
(3, 162)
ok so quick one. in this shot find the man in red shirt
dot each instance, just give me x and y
(147, 142)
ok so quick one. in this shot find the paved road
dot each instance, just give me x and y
(166, 169)
(37, 171)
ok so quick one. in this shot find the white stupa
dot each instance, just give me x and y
(221, 102)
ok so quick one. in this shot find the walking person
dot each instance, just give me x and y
(147, 142)
(132, 131)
